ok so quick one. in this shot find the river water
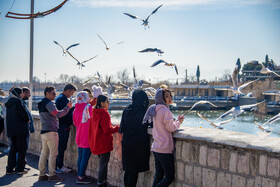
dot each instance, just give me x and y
(244, 123)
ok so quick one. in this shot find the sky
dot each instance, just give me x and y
(210, 33)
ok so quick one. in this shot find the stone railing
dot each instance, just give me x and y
(204, 157)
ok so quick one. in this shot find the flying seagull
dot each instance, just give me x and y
(81, 63)
(87, 81)
(216, 125)
(145, 21)
(63, 50)
(262, 128)
(166, 64)
(159, 52)
(236, 111)
(139, 83)
(264, 70)
(273, 119)
(108, 47)
(202, 102)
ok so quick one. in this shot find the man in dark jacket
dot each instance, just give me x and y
(64, 126)
(17, 129)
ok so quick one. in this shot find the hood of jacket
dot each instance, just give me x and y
(160, 106)
(12, 101)
(43, 103)
(79, 107)
(99, 113)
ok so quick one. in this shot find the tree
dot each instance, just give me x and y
(63, 78)
(123, 76)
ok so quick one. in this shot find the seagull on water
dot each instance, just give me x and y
(81, 63)
(202, 102)
(262, 128)
(63, 50)
(216, 125)
(159, 52)
(166, 64)
(108, 47)
(236, 111)
(145, 21)
(264, 70)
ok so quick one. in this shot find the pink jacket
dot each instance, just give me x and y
(163, 126)
(82, 128)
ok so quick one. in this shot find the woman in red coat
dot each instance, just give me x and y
(101, 136)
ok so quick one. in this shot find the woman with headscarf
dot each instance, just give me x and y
(81, 119)
(135, 141)
(163, 145)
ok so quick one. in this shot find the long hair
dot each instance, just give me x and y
(100, 98)
(164, 91)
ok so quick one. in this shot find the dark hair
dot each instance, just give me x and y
(87, 90)
(164, 91)
(100, 98)
(48, 89)
(70, 86)
(25, 89)
(16, 91)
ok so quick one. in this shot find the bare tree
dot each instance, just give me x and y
(123, 76)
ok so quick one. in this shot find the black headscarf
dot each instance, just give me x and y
(139, 99)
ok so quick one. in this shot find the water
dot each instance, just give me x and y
(244, 123)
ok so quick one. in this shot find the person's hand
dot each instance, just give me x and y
(181, 118)
(69, 104)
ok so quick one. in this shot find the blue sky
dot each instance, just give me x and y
(208, 33)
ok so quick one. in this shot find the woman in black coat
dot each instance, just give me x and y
(135, 141)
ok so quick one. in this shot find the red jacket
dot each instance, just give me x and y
(100, 132)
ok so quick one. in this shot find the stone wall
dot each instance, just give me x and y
(204, 157)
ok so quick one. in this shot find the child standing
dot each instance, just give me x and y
(163, 145)
(81, 119)
(100, 136)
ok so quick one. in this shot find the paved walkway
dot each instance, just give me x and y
(31, 178)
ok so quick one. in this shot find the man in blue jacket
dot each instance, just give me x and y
(64, 126)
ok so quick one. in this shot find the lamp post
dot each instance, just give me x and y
(31, 56)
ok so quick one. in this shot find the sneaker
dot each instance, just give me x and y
(22, 172)
(55, 178)
(83, 180)
(63, 170)
(43, 178)
(10, 172)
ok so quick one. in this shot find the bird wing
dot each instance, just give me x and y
(102, 40)
(148, 50)
(58, 44)
(89, 59)
(153, 12)
(157, 63)
(94, 77)
(194, 105)
(117, 43)
(201, 116)
(275, 73)
(246, 84)
(243, 107)
(132, 16)
(176, 69)
(124, 86)
(235, 77)
(73, 45)
(226, 113)
(273, 119)
(226, 121)
(73, 57)
(259, 126)
(210, 103)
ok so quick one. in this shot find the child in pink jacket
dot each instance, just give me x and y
(163, 146)
(81, 119)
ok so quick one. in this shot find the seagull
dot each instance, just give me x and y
(202, 102)
(159, 52)
(216, 125)
(145, 21)
(262, 128)
(235, 88)
(94, 77)
(273, 119)
(166, 64)
(81, 64)
(140, 83)
(264, 70)
(63, 50)
(108, 47)
(236, 111)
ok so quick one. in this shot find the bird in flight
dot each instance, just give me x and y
(109, 47)
(262, 128)
(264, 70)
(159, 52)
(145, 21)
(81, 64)
(216, 125)
(202, 102)
(64, 51)
(166, 64)
(139, 83)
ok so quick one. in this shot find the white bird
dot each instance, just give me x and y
(159, 52)
(264, 70)
(166, 64)
(216, 125)
(273, 119)
(202, 102)
(236, 111)
(63, 50)
(139, 83)
(238, 89)
(81, 63)
(262, 128)
(94, 77)
(109, 47)
(145, 21)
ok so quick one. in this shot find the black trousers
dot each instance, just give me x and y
(103, 167)
(130, 178)
(18, 146)
(165, 169)
(63, 136)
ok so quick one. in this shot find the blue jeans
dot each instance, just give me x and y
(165, 170)
(83, 157)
